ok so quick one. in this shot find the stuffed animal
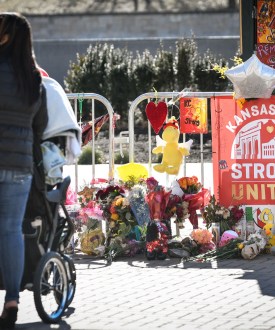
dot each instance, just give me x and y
(227, 236)
(250, 251)
(172, 151)
(268, 228)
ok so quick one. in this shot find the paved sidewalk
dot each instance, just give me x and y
(133, 293)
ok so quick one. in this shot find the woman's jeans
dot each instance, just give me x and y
(14, 192)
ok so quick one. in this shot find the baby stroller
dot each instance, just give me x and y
(47, 227)
(49, 272)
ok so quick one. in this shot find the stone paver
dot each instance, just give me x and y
(133, 293)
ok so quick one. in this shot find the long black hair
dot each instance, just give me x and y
(20, 50)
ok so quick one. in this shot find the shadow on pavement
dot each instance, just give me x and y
(43, 326)
(260, 269)
(91, 261)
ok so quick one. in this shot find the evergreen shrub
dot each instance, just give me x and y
(86, 156)
(121, 77)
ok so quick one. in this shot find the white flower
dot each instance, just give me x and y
(226, 213)
(258, 239)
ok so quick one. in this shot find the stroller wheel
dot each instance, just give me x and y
(71, 274)
(50, 287)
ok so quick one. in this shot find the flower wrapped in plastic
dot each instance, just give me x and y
(235, 247)
(191, 192)
(227, 217)
(71, 197)
(177, 208)
(89, 210)
(157, 202)
(158, 228)
(190, 185)
(115, 204)
(138, 205)
(92, 211)
(111, 202)
(196, 202)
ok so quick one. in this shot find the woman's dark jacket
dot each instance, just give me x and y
(19, 122)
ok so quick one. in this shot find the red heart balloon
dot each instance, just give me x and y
(156, 114)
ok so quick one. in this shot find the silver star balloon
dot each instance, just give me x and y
(252, 79)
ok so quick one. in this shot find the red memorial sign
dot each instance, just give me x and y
(243, 145)
(193, 115)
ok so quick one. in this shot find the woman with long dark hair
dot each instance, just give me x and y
(23, 117)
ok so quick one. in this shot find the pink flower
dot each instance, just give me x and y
(91, 212)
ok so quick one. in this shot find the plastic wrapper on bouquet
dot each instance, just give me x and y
(158, 229)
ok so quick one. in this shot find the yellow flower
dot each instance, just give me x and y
(240, 246)
(221, 70)
(237, 60)
(114, 216)
(240, 102)
(119, 201)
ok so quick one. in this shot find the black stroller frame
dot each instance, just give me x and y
(55, 273)
(48, 229)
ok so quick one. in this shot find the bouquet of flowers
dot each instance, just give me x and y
(247, 249)
(122, 244)
(117, 211)
(157, 199)
(192, 192)
(138, 204)
(190, 185)
(203, 238)
(115, 206)
(89, 215)
(158, 228)
(227, 217)
(89, 210)
(177, 207)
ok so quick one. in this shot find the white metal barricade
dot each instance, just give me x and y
(172, 97)
(92, 96)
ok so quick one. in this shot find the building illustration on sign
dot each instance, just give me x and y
(255, 140)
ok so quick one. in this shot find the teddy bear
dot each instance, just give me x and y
(172, 151)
